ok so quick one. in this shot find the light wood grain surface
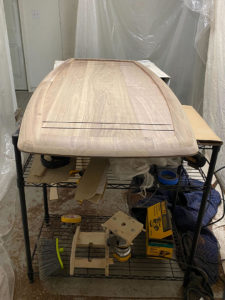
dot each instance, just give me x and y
(202, 132)
(105, 108)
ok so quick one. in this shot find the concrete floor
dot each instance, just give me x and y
(73, 288)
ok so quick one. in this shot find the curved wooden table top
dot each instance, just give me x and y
(105, 108)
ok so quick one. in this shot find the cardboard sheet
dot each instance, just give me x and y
(40, 174)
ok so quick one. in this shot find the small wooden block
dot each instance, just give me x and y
(73, 250)
(95, 263)
(124, 226)
(53, 194)
(96, 238)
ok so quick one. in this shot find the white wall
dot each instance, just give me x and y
(48, 31)
(15, 43)
(8, 102)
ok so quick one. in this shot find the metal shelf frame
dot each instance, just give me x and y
(21, 183)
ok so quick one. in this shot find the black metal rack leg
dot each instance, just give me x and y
(20, 184)
(45, 198)
(206, 190)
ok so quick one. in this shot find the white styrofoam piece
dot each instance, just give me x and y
(150, 65)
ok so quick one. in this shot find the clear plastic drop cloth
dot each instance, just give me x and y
(127, 168)
(214, 104)
(7, 164)
(214, 96)
(173, 34)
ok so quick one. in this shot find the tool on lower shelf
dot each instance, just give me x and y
(121, 250)
(159, 235)
(122, 253)
(123, 230)
(49, 258)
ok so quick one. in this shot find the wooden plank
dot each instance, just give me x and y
(99, 86)
(73, 250)
(95, 263)
(93, 181)
(103, 92)
(124, 226)
(53, 193)
(106, 235)
(202, 132)
(96, 238)
(39, 174)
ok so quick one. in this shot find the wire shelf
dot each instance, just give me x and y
(138, 267)
(115, 183)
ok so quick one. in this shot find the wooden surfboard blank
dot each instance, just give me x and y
(105, 108)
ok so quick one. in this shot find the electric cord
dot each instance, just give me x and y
(219, 169)
(223, 201)
(216, 221)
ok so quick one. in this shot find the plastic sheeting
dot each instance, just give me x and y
(7, 164)
(166, 32)
(127, 168)
(214, 104)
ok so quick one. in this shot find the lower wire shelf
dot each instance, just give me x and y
(138, 267)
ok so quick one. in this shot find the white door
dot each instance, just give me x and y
(42, 40)
(15, 44)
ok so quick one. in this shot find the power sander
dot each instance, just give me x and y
(121, 250)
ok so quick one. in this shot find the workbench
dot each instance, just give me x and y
(206, 139)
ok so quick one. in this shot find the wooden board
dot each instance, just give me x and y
(92, 184)
(95, 263)
(96, 238)
(105, 108)
(39, 174)
(73, 250)
(202, 132)
(124, 226)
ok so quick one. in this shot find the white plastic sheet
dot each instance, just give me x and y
(127, 168)
(7, 164)
(166, 32)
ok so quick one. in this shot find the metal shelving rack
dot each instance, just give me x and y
(139, 267)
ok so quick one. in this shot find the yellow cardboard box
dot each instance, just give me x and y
(159, 235)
